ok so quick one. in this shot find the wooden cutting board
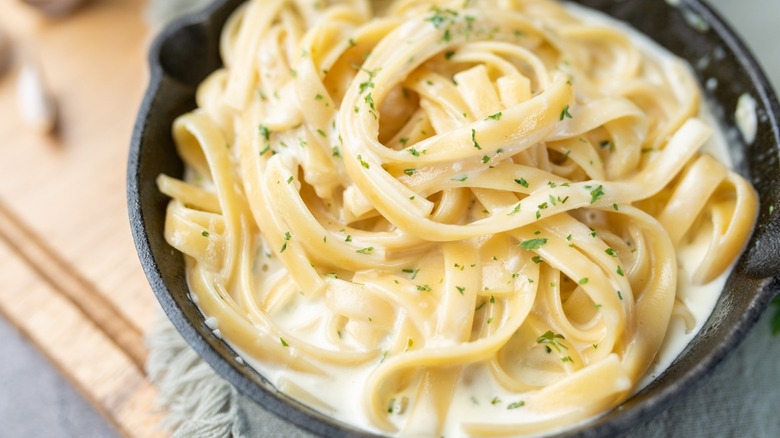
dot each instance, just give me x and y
(70, 279)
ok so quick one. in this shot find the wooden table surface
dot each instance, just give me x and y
(70, 279)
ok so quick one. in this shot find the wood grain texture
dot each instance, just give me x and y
(70, 278)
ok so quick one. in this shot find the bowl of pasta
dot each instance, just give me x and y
(449, 218)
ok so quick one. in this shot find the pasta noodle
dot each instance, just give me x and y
(450, 200)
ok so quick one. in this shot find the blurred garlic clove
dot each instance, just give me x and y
(36, 104)
(5, 52)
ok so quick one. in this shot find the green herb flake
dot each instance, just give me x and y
(567, 359)
(287, 237)
(423, 288)
(516, 209)
(474, 139)
(495, 401)
(290, 179)
(522, 182)
(284, 343)
(611, 252)
(319, 97)
(369, 100)
(367, 250)
(551, 339)
(411, 271)
(410, 172)
(264, 132)
(322, 133)
(362, 162)
(515, 405)
(441, 17)
(460, 289)
(536, 259)
(449, 54)
(596, 194)
(620, 295)
(583, 280)
(533, 243)
(565, 113)
(460, 179)
(620, 271)
(496, 116)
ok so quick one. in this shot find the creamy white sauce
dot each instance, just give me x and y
(479, 397)
(746, 117)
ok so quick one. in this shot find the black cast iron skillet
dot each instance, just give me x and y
(187, 51)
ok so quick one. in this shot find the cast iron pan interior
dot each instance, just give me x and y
(187, 51)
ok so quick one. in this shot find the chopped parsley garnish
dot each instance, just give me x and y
(566, 359)
(460, 289)
(362, 162)
(449, 54)
(516, 209)
(565, 113)
(369, 100)
(474, 139)
(495, 401)
(411, 271)
(290, 179)
(596, 194)
(583, 280)
(322, 133)
(318, 97)
(441, 16)
(536, 259)
(522, 182)
(336, 151)
(620, 271)
(485, 159)
(550, 339)
(533, 243)
(620, 295)
(284, 343)
(204, 233)
(410, 172)
(611, 252)
(265, 132)
(367, 250)
(424, 288)
(515, 405)
(496, 116)
(287, 237)
(461, 179)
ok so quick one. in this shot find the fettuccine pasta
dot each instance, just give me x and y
(450, 200)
